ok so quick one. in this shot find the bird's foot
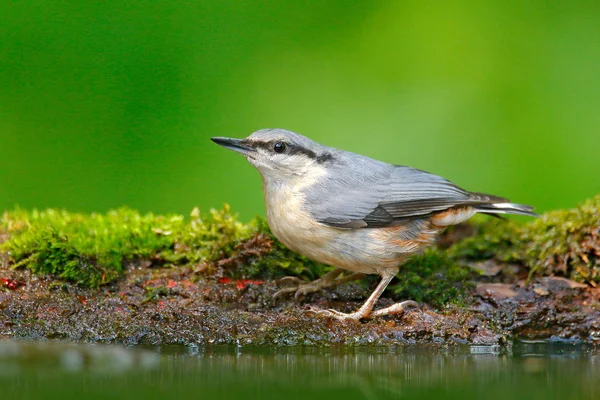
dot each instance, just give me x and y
(340, 316)
(397, 308)
(301, 288)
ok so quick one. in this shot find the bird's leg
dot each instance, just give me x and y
(366, 310)
(302, 288)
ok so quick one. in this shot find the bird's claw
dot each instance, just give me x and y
(340, 316)
(397, 308)
(300, 291)
(300, 287)
(295, 284)
(304, 290)
(291, 281)
(283, 292)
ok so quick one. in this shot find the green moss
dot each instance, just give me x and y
(88, 249)
(434, 278)
(493, 238)
(566, 242)
(95, 249)
(563, 242)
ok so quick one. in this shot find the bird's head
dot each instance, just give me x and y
(279, 154)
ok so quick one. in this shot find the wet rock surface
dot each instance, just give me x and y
(178, 306)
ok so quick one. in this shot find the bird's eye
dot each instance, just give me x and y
(279, 147)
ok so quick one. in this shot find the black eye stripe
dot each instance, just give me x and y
(290, 149)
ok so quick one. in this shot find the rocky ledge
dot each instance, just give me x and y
(123, 277)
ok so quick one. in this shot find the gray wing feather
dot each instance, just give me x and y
(377, 194)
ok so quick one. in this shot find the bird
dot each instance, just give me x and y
(353, 212)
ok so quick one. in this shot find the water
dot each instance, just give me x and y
(68, 371)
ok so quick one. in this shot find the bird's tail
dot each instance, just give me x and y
(506, 208)
(496, 206)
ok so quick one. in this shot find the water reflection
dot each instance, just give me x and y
(534, 370)
(56, 356)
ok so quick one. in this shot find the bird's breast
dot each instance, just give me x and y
(291, 223)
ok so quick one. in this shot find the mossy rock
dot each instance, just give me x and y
(564, 243)
(96, 249)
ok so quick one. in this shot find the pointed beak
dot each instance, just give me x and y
(235, 145)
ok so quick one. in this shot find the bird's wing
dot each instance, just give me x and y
(387, 196)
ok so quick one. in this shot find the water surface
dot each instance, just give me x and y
(69, 371)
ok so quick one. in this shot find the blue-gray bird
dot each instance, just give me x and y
(353, 212)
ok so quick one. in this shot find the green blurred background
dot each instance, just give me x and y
(104, 104)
